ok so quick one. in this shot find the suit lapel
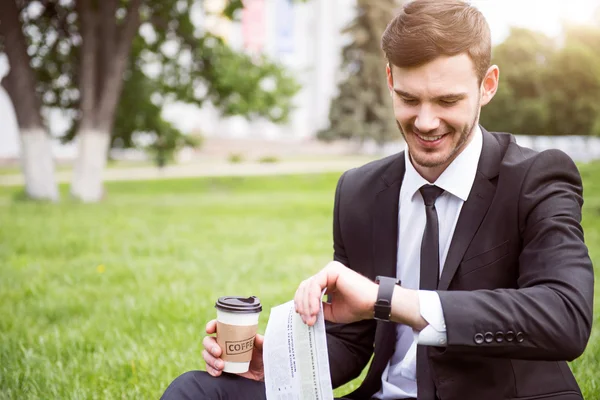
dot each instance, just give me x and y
(385, 219)
(385, 231)
(474, 209)
(385, 250)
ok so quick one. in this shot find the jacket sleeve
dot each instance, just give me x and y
(350, 346)
(550, 311)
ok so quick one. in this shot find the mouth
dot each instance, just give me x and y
(430, 141)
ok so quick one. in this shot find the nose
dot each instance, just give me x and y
(426, 120)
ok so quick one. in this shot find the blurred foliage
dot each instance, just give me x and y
(363, 108)
(171, 60)
(268, 160)
(235, 158)
(547, 87)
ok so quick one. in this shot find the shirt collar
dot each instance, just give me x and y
(457, 179)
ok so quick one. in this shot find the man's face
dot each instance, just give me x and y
(436, 107)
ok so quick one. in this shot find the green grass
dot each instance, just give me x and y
(109, 301)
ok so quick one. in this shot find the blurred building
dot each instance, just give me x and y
(305, 37)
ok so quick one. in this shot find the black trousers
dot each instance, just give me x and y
(199, 385)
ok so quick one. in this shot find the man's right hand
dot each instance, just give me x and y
(212, 353)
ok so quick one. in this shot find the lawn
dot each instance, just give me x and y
(109, 301)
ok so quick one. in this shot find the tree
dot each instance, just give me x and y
(363, 109)
(519, 105)
(86, 52)
(573, 84)
(20, 84)
(547, 87)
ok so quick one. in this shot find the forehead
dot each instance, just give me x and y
(443, 75)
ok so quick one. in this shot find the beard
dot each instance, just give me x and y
(463, 138)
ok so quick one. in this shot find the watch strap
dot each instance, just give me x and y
(383, 305)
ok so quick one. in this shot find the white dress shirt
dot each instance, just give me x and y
(399, 376)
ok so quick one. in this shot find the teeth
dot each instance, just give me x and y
(430, 139)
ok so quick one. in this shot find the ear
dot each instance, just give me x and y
(390, 79)
(489, 85)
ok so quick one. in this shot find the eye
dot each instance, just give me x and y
(448, 103)
(411, 102)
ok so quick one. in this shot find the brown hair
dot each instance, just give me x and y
(427, 29)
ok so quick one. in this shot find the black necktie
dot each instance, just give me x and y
(430, 273)
(430, 245)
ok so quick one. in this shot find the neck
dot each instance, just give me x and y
(430, 174)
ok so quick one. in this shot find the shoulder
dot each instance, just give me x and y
(539, 176)
(523, 160)
(370, 175)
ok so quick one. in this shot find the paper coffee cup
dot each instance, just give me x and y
(237, 322)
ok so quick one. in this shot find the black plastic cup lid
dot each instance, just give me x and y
(241, 305)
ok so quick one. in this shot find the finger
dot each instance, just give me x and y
(210, 344)
(314, 299)
(327, 277)
(215, 363)
(313, 294)
(211, 326)
(306, 301)
(212, 371)
(328, 312)
(298, 298)
(259, 340)
(324, 279)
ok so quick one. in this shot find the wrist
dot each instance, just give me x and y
(371, 295)
(382, 311)
(406, 309)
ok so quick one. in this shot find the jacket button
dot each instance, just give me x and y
(489, 337)
(510, 336)
(499, 336)
(478, 338)
(520, 337)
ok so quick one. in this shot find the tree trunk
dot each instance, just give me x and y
(93, 151)
(38, 165)
(100, 85)
(36, 150)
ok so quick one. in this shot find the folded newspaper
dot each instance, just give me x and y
(295, 357)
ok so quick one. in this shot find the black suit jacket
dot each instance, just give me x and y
(516, 288)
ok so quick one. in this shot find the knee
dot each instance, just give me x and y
(192, 385)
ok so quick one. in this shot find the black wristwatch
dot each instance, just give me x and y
(383, 305)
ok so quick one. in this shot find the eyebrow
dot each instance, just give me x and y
(449, 96)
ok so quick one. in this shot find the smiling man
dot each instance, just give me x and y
(460, 266)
